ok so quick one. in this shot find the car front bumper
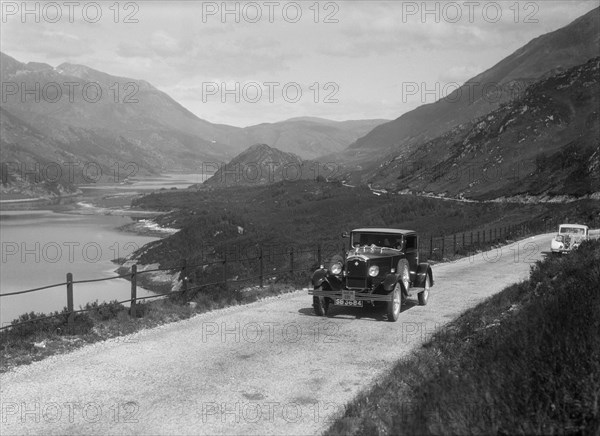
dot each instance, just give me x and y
(362, 296)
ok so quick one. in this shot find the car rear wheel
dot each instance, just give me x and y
(393, 306)
(320, 304)
(424, 294)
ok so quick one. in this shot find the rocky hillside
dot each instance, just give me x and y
(545, 143)
(260, 165)
(544, 56)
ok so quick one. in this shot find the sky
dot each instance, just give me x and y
(245, 63)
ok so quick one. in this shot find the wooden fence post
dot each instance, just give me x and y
(292, 260)
(463, 244)
(319, 255)
(70, 301)
(132, 307)
(225, 270)
(454, 242)
(260, 256)
(443, 245)
(184, 283)
(430, 246)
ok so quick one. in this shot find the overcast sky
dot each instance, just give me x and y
(361, 56)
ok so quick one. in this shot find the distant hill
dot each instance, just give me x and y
(260, 165)
(544, 56)
(310, 137)
(107, 120)
(546, 143)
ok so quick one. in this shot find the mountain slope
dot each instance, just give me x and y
(545, 143)
(259, 165)
(100, 112)
(554, 52)
(73, 113)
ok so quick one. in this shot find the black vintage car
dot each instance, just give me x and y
(381, 268)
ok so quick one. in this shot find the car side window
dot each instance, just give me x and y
(411, 242)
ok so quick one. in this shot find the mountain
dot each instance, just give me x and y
(73, 113)
(260, 165)
(545, 143)
(310, 137)
(101, 117)
(544, 56)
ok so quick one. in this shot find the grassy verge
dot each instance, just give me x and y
(526, 361)
(45, 336)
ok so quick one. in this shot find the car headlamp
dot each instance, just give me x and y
(336, 268)
(373, 271)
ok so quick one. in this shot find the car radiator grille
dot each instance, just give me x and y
(356, 274)
(356, 283)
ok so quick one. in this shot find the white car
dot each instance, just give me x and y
(569, 237)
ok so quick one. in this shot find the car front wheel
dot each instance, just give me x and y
(321, 305)
(424, 294)
(393, 306)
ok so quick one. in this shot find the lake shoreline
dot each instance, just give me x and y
(79, 235)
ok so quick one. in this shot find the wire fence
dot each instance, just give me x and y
(291, 263)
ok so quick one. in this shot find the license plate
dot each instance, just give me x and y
(348, 295)
(351, 303)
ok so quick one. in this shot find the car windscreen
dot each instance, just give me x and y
(572, 230)
(378, 239)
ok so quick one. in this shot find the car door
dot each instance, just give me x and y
(412, 254)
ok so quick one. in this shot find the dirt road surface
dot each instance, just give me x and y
(270, 367)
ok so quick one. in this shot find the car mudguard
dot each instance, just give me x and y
(423, 270)
(390, 281)
(321, 276)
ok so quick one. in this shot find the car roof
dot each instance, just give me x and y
(383, 230)
(578, 226)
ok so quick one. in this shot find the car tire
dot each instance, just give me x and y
(394, 305)
(404, 273)
(423, 296)
(321, 305)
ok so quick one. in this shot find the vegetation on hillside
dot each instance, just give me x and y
(234, 222)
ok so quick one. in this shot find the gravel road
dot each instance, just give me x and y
(270, 367)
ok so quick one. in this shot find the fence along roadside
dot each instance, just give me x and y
(434, 248)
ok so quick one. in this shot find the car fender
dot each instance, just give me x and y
(390, 281)
(321, 276)
(423, 270)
